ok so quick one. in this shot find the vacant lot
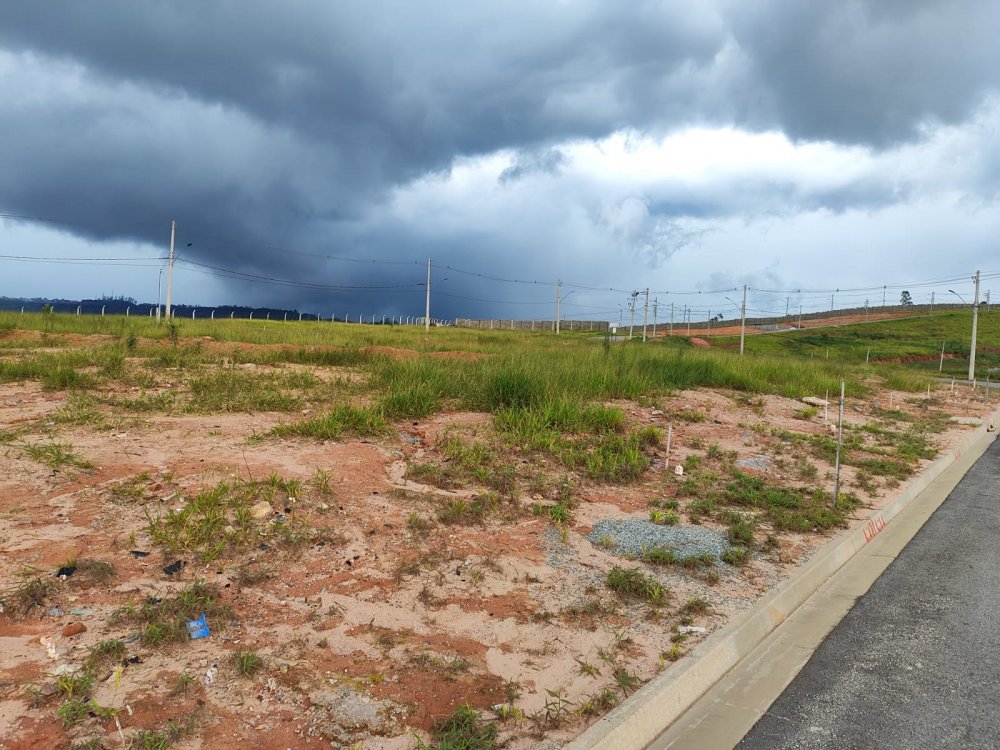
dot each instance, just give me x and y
(399, 537)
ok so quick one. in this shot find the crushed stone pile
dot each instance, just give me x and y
(632, 536)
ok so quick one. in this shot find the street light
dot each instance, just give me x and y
(975, 321)
(559, 301)
(743, 317)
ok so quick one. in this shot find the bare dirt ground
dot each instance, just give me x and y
(375, 627)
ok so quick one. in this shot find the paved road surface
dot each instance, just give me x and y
(916, 662)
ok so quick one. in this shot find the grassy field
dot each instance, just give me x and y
(549, 396)
(556, 426)
(915, 342)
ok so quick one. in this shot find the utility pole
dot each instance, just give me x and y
(743, 319)
(932, 304)
(427, 309)
(975, 323)
(655, 301)
(671, 318)
(557, 306)
(631, 308)
(787, 300)
(883, 296)
(645, 315)
(687, 316)
(170, 270)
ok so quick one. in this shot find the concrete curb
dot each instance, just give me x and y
(637, 721)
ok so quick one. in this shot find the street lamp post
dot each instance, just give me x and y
(559, 301)
(743, 317)
(975, 325)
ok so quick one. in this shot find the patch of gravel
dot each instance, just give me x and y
(761, 463)
(632, 536)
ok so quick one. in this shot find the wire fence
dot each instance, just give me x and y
(496, 324)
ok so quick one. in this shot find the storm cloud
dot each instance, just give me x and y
(597, 141)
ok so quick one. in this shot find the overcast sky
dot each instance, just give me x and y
(685, 147)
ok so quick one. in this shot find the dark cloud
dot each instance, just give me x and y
(260, 127)
(866, 72)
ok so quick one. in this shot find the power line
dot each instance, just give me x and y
(246, 276)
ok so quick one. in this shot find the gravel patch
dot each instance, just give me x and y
(632, 536)
(761, 463)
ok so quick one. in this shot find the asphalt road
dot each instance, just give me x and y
(916, 662)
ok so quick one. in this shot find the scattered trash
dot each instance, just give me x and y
(210, 675)
(198, 628)
(138, 553)
(281, 518)
(65, 571)
(50, 647)
(679, 470)
(133, 660)
(81, 612)
(63, 669)
(74, 628)
(53, 612)
(690, 629)
(175, 567)
(131, 638)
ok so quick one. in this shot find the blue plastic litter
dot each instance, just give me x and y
(198, 628)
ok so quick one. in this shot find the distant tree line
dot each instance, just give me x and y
(119, 305)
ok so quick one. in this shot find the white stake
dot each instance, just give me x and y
(840, 441)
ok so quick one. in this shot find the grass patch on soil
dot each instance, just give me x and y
(30, 594)
(787, 508)
(633, 583)
(231, 390)
(463, 730)
(55, 455)
(162, 620)
(222, 519)
(340, 420)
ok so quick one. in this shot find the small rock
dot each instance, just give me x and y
(48, 689)
(261, 509)
(814, 401)
(53, 612)
(74, 628)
